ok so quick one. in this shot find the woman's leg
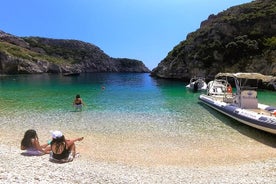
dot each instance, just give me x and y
(73, 149)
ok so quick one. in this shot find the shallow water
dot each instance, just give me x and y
(134, 118)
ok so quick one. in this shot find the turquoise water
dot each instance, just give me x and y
(126, 98)
(133, 112)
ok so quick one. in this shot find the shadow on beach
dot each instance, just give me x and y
(256, 134)
(30, 154)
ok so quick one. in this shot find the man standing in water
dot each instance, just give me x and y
(78, 103)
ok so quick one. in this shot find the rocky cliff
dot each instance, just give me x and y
(43, 55)
(240, 39)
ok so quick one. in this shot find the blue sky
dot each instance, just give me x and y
(138, 29)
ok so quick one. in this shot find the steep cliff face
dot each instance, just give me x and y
(44, 55)
(240, 39)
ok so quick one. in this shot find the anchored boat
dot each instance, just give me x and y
(71, 74)
(242, 105)
(197, 84)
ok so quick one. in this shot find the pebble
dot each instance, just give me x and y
(15, 168)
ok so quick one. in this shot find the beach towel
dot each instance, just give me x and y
(32, 152)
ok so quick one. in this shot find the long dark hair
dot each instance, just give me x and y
(59, 141)
(27, 139)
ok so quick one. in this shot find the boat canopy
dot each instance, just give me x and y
(244, 81)
(254, 76)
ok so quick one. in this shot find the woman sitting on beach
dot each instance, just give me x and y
(78, 103)
(31, 144)
(62, 150)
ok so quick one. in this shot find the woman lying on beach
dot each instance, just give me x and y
(62, 150)
(31, 144)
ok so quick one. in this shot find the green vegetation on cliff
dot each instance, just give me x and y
(23, 53)
(240, 39)
(71, 51)
(41, 55)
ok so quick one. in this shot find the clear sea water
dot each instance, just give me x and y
(160, 113)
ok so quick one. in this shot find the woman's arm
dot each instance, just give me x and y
(82, 102)
(43, 148)
(72, 141)
(22, 147)
(78, 139)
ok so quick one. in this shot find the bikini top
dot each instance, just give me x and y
(63, 155)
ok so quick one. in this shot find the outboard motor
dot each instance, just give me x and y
(196, 87)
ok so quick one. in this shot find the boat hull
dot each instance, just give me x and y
(71, 74)
(257, 120)
(201, 86)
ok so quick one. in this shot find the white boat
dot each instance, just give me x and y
(197, 84)
(243, 104)
(71, 74)
(272, 83)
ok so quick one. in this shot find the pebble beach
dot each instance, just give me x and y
(16, 168)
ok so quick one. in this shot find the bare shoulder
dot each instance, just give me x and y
(34, 140)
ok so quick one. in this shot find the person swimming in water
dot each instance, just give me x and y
(78, 103)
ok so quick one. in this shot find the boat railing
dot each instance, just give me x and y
(217, 87)
(229, 98)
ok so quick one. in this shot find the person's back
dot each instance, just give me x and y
(62, 150)
(78, 103)
(59, 148)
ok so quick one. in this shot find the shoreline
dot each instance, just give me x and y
(153, 150)
(15, 168)
(139, 131)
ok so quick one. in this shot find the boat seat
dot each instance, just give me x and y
(249, 94)
(228, 98)
(249, 99)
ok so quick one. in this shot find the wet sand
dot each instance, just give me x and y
(155, 151)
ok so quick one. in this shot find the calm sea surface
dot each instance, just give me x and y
(129, 104)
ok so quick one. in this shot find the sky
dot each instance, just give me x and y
(145, 30)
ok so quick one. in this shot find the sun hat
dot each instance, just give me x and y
(56, 134)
